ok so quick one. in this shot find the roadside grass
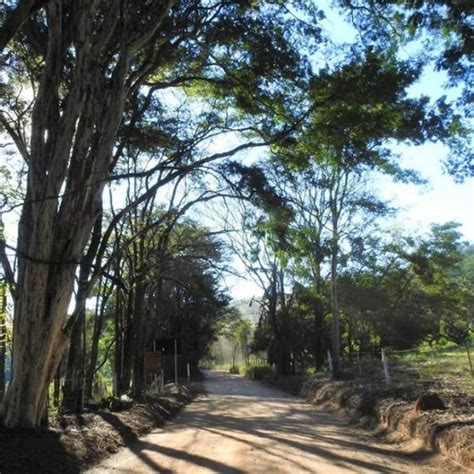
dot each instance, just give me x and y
(443, 362)
(450, 363)
(239, 367)
(214, 366)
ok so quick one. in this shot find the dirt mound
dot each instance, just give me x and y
(444, 427)
(429, 401)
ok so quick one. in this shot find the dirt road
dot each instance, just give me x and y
(244, 427)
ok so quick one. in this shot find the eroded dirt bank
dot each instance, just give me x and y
(74, 442)
(449, 432)
(241, 426)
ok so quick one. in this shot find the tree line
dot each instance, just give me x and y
(122, 116)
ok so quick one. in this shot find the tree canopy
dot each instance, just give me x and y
(123, 118)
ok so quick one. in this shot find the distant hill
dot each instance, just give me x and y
(250, 313)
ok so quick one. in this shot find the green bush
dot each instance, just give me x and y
(235, 369)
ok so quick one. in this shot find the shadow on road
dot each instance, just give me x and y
(140, 448)
(240, 418)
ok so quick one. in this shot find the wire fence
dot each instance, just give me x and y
(177, 368)
(102, 391)
(399, 366)
(256, 360)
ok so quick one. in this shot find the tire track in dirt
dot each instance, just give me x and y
(241, 426)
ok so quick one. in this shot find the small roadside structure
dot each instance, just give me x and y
(165, 357)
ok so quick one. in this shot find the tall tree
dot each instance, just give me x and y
(440, 33)
(3, 336)
(349, 136)
(90, 59)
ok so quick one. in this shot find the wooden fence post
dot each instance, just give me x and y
(331, 368)
(469, 359)
(176, 361)
(359, 364)
(385, 367)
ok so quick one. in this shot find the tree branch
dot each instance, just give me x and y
(16, 17)
(7, 268)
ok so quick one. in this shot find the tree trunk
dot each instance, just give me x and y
(319, 350)
(128, 345)
(96, 333)
(119, 341)
(36, 358)
(52, 236)
(3, 338)
(138, 344)
(76, 115)
(57, 387)
(319, 346)
(278, 346)
(339, 180)
(75, 370)
(73, 382)
(335, 333)
(51, 242)
(44, 290)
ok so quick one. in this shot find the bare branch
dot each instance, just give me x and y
(16, 17)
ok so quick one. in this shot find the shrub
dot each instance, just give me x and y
(235, 369)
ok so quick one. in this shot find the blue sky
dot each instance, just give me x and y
(439, 201)
(442, 199)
